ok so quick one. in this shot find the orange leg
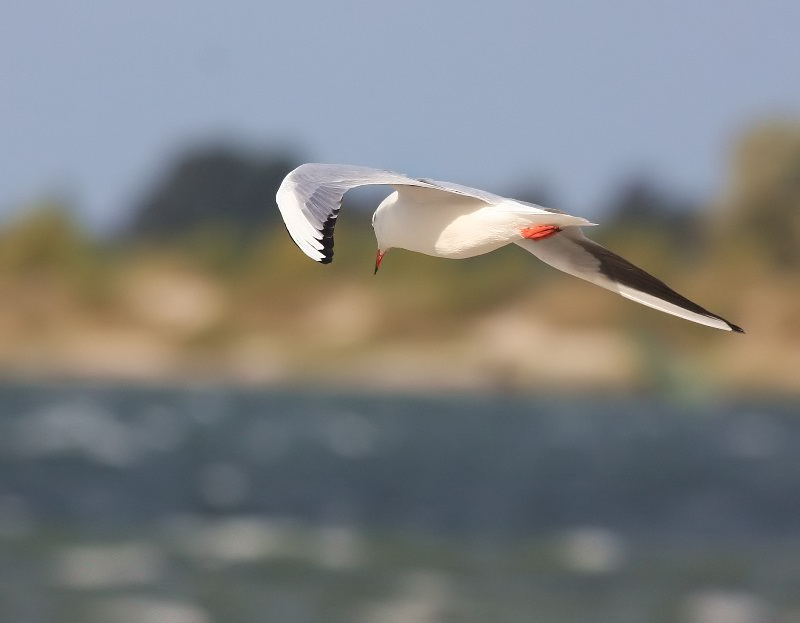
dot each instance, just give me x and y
(540, 232)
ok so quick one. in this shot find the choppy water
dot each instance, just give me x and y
(181, 505)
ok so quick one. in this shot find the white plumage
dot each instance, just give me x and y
(453, 221)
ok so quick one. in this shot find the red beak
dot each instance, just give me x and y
(378, 259)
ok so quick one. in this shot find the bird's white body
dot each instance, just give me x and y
(446, 225)
(453, 221)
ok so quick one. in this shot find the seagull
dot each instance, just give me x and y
(449, 220)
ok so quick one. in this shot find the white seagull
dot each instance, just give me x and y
(453, 221)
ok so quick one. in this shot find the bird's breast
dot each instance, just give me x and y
(456, 228)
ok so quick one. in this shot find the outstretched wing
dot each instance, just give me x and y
(310, 197)
(575, 254)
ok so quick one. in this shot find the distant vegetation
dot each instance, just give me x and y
(214, 187)
(205, 277)
(760, 206)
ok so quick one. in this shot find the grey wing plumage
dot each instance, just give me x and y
(310, 197)
(467, 191)
(513, 205)
(575, 254)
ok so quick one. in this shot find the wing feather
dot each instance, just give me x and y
(577, 255)
(310, 198)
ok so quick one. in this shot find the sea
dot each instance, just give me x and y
(200, 504)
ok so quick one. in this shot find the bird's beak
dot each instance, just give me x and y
(378, 259)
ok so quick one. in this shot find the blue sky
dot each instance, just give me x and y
(99, 97)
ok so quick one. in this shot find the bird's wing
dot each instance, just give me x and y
(466, 191)
(310, 197)
(505, 203)
(575, 254)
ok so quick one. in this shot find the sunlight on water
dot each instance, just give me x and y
(82, 428)
(233, 541)
(418, 596)
(92, 567)
(201, 505)
(338, 548)
(137, 609)
(349, 434)
(725, 607)
(754, 436)
(593, 550)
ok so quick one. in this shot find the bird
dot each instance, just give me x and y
(448, 220)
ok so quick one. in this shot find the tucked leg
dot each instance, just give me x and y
(540, 232)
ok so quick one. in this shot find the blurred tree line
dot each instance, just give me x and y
(760, 206)
(234, 190)
(218, 186)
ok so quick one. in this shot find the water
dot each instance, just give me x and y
(175, 505)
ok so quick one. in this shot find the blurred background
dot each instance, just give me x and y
(198, 423)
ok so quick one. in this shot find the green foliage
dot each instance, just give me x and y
(762, 202)
(46, 244)
(43, 239)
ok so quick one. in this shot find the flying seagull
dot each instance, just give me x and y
(448, 220)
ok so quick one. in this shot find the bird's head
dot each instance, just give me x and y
(382, 230)
(379, 259)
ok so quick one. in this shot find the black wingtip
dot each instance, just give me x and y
(620, 270)
(327, 239)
